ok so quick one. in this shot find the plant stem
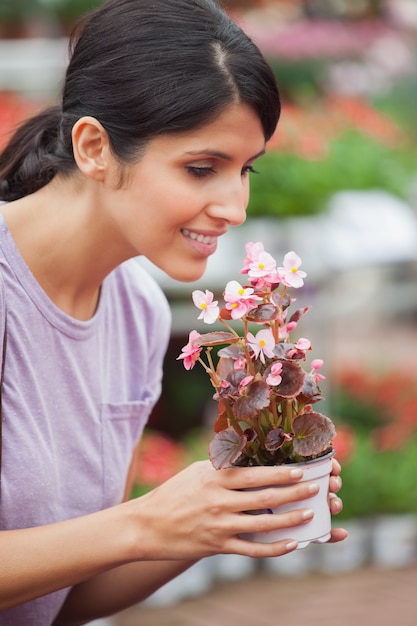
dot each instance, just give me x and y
(273, 407)
(232, 330)
(287, 407)
(210, 370)
(251, 366)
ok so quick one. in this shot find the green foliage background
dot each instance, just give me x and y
(290, 185)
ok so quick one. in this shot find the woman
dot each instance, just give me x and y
(165, 108)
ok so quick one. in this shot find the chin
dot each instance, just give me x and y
(188, 274)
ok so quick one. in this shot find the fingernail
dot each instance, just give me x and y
(307, 514)
(313, 488)
(296, 473)
(335, 502)
(291, 545)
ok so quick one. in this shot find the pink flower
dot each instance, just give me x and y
(190, 352)
(290, 274)
(263, 266)
(303, 344)
(317, 364)
(263, 344)
(284, 331)
(245, 381)
(300, 346)
(260, 265)
(239, 299)
(209, 309)
(252, 253)
(274, 378)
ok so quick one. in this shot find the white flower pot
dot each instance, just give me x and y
(318, 529)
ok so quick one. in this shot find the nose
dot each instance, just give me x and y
(231, 204)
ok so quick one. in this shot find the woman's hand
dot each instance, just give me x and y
(199, 512)
(335, 503)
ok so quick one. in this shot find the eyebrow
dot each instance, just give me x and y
(221, 155)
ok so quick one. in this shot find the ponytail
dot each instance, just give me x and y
(34, 154)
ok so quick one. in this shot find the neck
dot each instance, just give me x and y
(62, 241)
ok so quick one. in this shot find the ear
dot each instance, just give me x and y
(91, 148)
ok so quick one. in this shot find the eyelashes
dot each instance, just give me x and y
(200, 172)
(203, 172)
(249, 169)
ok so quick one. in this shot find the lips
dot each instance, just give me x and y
(205, 245)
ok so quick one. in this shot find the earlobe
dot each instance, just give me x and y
(91, 147)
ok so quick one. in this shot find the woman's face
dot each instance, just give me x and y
(187, 190)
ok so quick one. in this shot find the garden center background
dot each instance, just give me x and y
(339, 186)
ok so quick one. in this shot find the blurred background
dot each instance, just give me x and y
(339, 186)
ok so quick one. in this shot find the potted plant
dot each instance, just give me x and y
(265, 396)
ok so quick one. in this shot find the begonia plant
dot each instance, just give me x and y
(264, 394)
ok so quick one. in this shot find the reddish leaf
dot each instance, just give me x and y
(274, 439)
(232, 351)
(230, 376)
(255, 399)
(263, 313)
(225, 448)
(282, 348)
(221, 422)
(293, 377)
(215, 338)
(310, 393)
(297, 315)
(313, 433)
(280, 300)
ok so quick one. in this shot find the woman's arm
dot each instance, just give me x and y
(196, 513)
(125, 586)
(37, 561)
(115, 590)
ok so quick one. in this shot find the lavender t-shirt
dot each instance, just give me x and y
(76, 397)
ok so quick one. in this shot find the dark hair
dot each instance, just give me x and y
(142, 68)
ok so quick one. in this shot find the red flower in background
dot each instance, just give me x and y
(13, 110)
(391, 400)
(344, 443)
(157, 458)
(308, 132)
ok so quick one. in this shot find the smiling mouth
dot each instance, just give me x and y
(204, 239)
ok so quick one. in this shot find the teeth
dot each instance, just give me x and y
(200, 238)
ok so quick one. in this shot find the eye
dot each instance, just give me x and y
(200, 172)
(249, 169)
